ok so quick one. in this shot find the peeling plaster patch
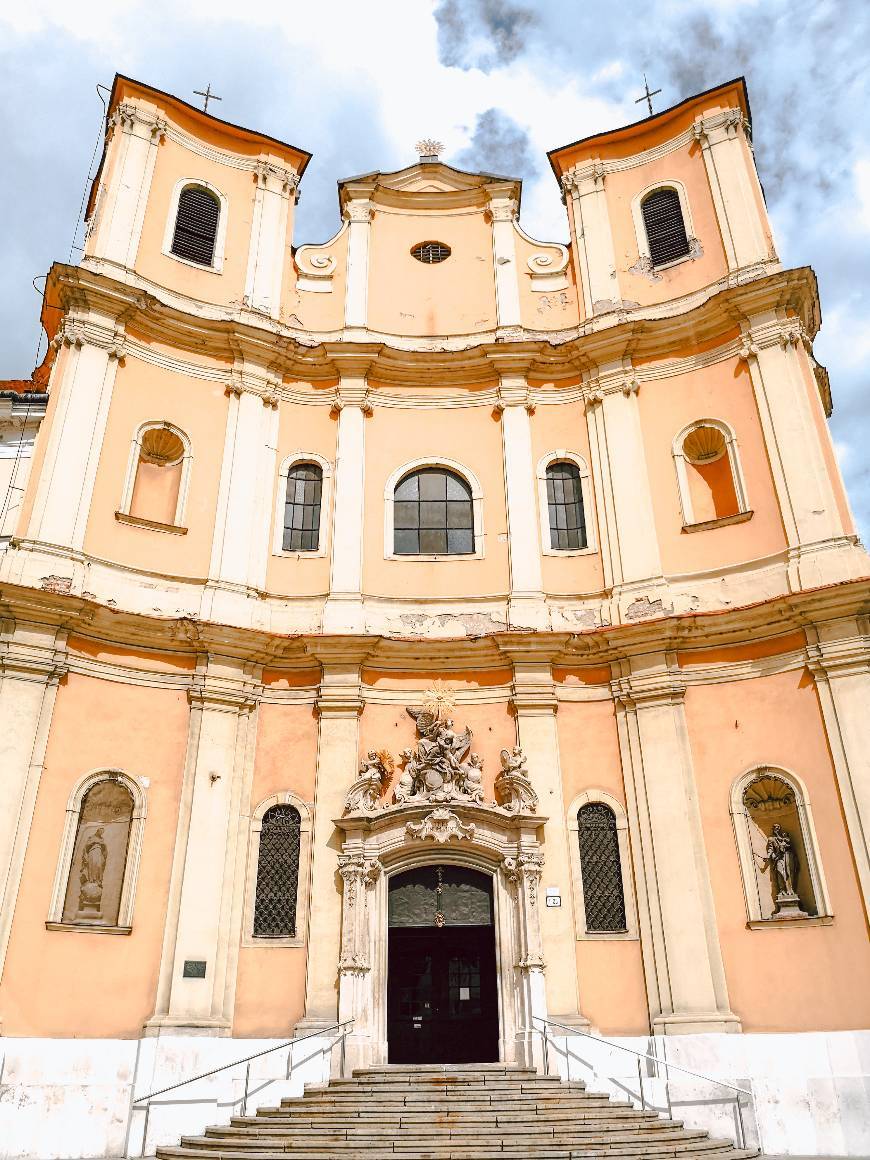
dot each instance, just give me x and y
(644, 268)
(62, 585)
(644, 607)
(469, 624)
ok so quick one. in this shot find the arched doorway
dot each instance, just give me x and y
(442, 994)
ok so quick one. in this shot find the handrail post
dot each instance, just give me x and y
(145, 1129)
(546, 1048)
(640, 1087)
(343, 1052)
(247, 1084)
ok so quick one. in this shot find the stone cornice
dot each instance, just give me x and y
(342, 657)
(227, 334)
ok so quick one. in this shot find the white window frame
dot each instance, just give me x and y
(325, 466)
(622, 836)
(740, 821)
(476, 509)
(133, 466)
(137, 788)
(217, 261)
(643, 247)
(558, 456)
(737, 479)
(284, 798)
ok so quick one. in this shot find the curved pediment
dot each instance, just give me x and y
(429, 184)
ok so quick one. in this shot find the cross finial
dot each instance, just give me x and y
(429, 149)
(647, 96)
(207, 96)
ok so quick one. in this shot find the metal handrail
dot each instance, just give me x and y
(248, 1058)
(641, 1055)
(291, 1043)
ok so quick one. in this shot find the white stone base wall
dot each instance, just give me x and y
(810, 1091)
(66, 1099)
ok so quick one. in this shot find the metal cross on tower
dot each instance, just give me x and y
(207, 96)
(647, 96)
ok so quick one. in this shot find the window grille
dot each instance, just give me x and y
(433, 515)
(565, 507)
(196, 225)
(600, 868)
(302, 508)
(665, 228)
(431, 252)
(277, 873)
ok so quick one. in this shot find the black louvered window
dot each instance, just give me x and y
(196, 225)
(600, 869)
(302, 508)
(665, 228)
(277, 873)
(433, 515)
(565, 507)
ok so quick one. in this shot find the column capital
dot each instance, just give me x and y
(339, 693)
(35, 652)
(359, 211)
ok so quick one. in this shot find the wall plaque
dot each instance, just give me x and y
(194, 969)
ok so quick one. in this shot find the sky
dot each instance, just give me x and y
(499, 82)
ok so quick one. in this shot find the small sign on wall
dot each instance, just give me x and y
(194, 969)
(554, 897)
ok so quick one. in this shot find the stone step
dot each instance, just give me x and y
(720, 1149)
(248, 1136)
(409, 1118)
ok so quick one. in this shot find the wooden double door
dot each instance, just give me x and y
(442, 997)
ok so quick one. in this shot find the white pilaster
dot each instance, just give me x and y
(272, 200)
(595, 253)
(535, 704)
(618, 456)
(343, 611)
(136, 136)
(685, 975)
(839, 659)
(733, 188)
(206, 892)
(359, 217)
(339, 705)
(772, 350)
(32, 662)
(503, 209)
(527, 608)
(241, 537)
(83, 378)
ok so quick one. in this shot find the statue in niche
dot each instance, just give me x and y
(441, 768)
(91, 872)
(781, 862)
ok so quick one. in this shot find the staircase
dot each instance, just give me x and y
(470, 1112)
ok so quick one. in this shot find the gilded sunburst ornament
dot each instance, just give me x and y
(439, 700)
(429, 147)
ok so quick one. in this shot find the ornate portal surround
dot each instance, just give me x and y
(438, 816)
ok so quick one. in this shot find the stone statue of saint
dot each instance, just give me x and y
(781, 862)
(93, 867)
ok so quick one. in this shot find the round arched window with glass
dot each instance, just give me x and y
(433, 514)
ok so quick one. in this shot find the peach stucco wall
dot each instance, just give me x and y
(686, 166)
(470, 436)
(452, 297)
(722, 391)
(774, 974)
(270, 990)
(146, 393)
(69, 983)
(610, 972)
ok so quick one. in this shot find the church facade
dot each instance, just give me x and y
(435, 638)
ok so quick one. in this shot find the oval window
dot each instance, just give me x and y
(431, 252)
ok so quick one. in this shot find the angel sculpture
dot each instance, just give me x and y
(365, 792)
(512, 786)
(437, 770)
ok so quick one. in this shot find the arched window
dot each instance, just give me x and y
(277, 885)
(302, 507)
(155, 491)
(433, 514)
(196, 225)
(665, 226)
(708, 473)
(565, 511)
(99, 858)
(776, 843)
(600, 867)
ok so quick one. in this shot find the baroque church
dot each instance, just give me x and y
(431, 648)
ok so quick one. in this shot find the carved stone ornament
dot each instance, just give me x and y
(442, 767)
(356, 870)
(440, 826)
(365, 793)
(513, 789)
